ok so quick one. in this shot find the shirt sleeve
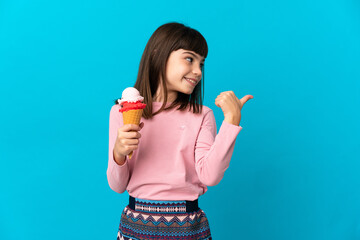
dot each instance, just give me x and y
(213, 152)
(118, 176)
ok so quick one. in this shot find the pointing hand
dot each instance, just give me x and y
(231, 106)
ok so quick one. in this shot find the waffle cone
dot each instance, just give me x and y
(132, 117)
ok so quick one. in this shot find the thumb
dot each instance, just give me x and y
(245, 99)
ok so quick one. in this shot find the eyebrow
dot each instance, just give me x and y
(202, 60)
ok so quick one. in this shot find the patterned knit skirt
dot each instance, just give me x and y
(163, 220)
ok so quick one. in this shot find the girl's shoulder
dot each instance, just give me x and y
(115, 108)
(115, 113)
(206, 108)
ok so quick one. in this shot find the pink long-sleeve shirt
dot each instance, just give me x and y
(178, 156)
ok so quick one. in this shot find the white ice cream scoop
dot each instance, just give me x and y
(130, 94)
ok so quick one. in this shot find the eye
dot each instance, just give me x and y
(190, 59)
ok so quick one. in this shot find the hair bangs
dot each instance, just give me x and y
(192, 40)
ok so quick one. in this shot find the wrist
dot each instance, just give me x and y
(119, 158)
(233, 119)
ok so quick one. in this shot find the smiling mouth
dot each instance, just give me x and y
(193, 82)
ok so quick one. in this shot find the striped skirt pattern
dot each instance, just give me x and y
(162, 220)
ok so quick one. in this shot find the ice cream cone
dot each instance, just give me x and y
(131, 106)
(132, 117)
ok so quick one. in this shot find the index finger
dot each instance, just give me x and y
(130, 127)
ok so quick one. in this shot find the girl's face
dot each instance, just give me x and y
(183, 73)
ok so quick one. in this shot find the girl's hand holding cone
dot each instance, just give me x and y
(127, 140)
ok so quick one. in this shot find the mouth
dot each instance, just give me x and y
(192, 81)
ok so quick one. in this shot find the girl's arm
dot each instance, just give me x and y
(117, 175)
(213, 152)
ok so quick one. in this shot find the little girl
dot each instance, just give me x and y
(177, 152)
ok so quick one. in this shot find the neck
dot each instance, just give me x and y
(159, 96)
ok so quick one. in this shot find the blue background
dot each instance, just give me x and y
(295, 168)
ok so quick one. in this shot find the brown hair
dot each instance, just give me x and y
(166, 39)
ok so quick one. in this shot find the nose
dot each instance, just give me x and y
(197, 71)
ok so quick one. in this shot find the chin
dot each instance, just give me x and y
(188, 92)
